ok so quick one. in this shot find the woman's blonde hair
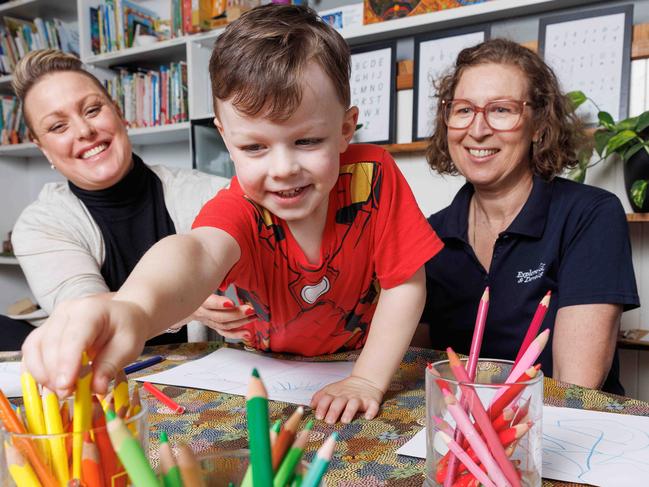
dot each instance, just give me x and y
(38, 64)
(561, 136)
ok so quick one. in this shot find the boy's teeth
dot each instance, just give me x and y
(289, 193)
(482, 152)
(94, 151)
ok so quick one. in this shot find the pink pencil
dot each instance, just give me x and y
(465, 425)
(478, 331)
(535, 325)
(463, 456)
(526, 361)
(482, 419)
(443, 425)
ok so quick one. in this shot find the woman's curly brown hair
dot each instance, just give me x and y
(560, 131)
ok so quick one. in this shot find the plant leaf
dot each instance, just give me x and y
(619, 139)
(643, 122)
(605, 119)
(629, 123)
(601, 140)
(577, 98)
(639, 192)
(631, 151)
(578, 174)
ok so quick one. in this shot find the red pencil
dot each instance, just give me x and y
(164, 399)
(512, 391)
(535, 325)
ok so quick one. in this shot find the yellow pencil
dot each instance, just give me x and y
(21, 471)
(34, 411)
(120, 394)
(54, 426)
(82, 414)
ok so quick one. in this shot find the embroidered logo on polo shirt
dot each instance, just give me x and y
(524, 277)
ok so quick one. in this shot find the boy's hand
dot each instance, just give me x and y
(345, 398)
(220, 314)
(112, 332)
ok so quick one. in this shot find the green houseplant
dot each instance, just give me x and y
(627, 139)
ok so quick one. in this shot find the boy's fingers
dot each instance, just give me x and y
(322, 404)
(335, 409)
(371, 409)
(350, 411)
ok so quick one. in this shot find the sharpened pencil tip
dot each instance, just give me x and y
(163, 437)
(110, 415)
(255, 372)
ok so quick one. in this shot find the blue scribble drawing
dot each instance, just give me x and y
(599, 451)
(297, 387)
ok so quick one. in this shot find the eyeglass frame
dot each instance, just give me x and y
(479, 109)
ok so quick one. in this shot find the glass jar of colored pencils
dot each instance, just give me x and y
(66, 458)
(485, 431)
(230, 467)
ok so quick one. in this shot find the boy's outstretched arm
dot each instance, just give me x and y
(171, 280)
(395, 320)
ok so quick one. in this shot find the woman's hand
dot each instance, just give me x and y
(343, 399)
(112, 332)
(220, 314)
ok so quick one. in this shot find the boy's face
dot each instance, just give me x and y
(289, 167)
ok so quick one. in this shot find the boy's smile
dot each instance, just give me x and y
(290, 166)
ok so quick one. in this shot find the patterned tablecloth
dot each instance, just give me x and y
(365, 455)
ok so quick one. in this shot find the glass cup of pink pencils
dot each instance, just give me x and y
(485, 431)
(66, 458)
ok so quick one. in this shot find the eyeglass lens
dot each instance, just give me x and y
(500, 115)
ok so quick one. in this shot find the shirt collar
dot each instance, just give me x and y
(530, 221)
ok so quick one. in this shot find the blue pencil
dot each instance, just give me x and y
(143, 364)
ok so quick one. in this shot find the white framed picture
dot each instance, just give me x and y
(373, 91)
(435, 55)
(591, 51)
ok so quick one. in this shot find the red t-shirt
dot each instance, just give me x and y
(375, 237)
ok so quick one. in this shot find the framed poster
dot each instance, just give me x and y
(435, 54)
(591, 51)
(373, 90)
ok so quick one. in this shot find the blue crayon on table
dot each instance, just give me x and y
(143, 364)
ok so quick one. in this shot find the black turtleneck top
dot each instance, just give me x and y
(132, 216)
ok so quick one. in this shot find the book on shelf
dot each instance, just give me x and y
(12, 126)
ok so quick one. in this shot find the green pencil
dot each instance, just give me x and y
(170, 470)
(293, 457)
(257, 410)
(320, 463)
(247, 478)
(130, 452)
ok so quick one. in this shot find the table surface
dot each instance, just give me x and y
(365, 454)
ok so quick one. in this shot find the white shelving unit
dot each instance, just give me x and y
(8, 260)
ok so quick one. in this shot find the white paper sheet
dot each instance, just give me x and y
(228, 370)
(10, 379)
(584, 447)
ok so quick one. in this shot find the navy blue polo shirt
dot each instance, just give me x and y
(569, 238)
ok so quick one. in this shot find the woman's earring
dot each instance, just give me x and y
(52, 167)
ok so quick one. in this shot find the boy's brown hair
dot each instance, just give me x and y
(258, 61)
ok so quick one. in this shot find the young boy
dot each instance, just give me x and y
(323, 238)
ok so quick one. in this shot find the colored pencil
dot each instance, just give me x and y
(475, 440)
(274, 431)
(257, 411)
(292, 458)
(54, 426)
(482, 419)
(164, 399)
(169, 468)
(526, 361)
(286, 437)
(189, 468)
(135, 405)
(478, 332)
(472, 467)
(20, 470)
(498, 403)
(130, 452)
(109, 462)
(320, 463)
(33, 405)
(91, 463)
(442, 425)
(82, 413)
(143, 364)
(120, 394)
(535, 325)
(25, 445)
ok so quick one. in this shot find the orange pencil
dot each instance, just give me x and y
(110, 463)
(25, 446)
(189, 469)
(90, 463)
(286, 437)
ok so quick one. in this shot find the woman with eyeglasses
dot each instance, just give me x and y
(519, 228)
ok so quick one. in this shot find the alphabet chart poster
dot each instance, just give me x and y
(591, 52)
(373, 91)
(434, 56)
